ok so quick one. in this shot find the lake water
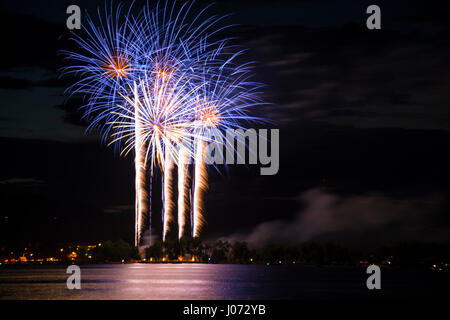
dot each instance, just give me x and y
(216, 281)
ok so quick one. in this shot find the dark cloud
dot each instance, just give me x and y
(31, 41)
(54, 82)
(27, 84)
(119, 209)
(358, 78)
(72, 112)
(14, 83)
(72, 182)
(29, 182)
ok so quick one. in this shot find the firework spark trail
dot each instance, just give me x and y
(141, 193)
(168, 194)
(183, 190)
(200, 188)
(150, 211)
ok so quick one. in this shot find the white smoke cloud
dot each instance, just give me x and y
(356, 219)
(146, 241)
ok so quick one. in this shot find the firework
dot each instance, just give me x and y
(153, 80)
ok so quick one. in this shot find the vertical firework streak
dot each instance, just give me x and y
(150, 196)
(183, 190)
(141, 194)
(200, 188)
(167, 198)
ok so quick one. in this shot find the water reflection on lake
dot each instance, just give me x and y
(203, 281)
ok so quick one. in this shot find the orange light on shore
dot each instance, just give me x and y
(73, 255)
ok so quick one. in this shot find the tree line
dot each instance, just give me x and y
(401, 254)
(239, 252)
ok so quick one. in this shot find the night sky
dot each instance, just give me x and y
(364, 119)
